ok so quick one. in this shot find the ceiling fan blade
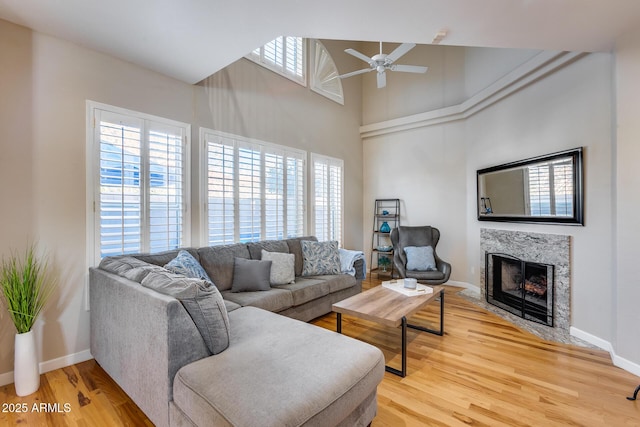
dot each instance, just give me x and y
(399, 51)
(382, 80)
(409, 68)
(355, 73)
(359, 55)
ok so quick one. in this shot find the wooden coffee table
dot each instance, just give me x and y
(390, 308)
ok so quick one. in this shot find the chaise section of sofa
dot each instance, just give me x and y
(279, 372)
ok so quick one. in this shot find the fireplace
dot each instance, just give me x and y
(523, 288)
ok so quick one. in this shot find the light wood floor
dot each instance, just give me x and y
(483, 372)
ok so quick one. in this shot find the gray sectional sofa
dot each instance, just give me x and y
(276, 370)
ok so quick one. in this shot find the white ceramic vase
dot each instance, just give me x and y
(26, 372)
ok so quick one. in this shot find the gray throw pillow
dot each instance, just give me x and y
(251, 275)
(202, 301)
(420, 258)
(184, 263)
(320, 258)
(282, 267)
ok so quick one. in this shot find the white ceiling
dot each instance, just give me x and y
(192, 39)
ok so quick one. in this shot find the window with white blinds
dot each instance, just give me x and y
(138, 172)
(284, 55)
(254, 190)
(550, 189)
(327, 197)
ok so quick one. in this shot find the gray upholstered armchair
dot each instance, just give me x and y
(402, 237)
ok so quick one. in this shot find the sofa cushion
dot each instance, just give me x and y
(202, 301)
(306, 289)
(184, 263)
(320, 258)
(272, 300)
(282, 267)
(336, 282)
(218, 262)
(255, 248)
(327, 375)
(296, 249)
(251, 275)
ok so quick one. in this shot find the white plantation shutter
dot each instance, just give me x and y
(327, 192)
(285, 56)
(139, 184)
(220, 191)
(563, 187)
(274, 195)
(120, 197)
(295, 194)
(166, 176)
(324, 76)
(254, 190)
(249, 193)
(550, 189)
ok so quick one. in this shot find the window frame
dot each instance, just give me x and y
(267, 148)
(93, 175)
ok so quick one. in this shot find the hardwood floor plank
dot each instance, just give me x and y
(484, 371)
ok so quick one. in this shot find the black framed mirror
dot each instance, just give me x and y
(544, 189)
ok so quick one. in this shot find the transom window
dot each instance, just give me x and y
(284, 55)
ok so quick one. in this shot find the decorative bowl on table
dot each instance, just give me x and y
(384, 248)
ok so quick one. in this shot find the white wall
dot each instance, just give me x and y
(627, 208)
(570, 108)
(425, 169)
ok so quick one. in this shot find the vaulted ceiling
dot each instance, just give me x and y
(192, 39)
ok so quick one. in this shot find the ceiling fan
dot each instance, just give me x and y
(383, 62)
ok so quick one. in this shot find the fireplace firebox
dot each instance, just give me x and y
(520, 287)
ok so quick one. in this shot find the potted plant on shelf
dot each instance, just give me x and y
(384, 262)
(26, 286)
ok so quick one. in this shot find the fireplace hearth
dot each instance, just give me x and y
(523, 288)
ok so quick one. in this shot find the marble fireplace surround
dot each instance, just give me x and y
(541, 248)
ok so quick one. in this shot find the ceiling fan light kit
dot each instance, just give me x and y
(382, 62)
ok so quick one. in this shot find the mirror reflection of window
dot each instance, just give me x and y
(550, 188)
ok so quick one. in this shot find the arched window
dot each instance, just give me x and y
(324, 77)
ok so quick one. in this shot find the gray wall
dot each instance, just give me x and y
(45, 83)
(249, 100)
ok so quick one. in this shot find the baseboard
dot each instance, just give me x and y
(591, 339)
(51, 365)
(465, 285)
(618, 361)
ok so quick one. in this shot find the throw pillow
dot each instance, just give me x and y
(282, 267)
(202, 301)
(420, 258)
(320, 258)
(251, 275)
(187, 265)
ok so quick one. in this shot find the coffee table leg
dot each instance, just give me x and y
(432, 331)
(402, 373)
(339, 323)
